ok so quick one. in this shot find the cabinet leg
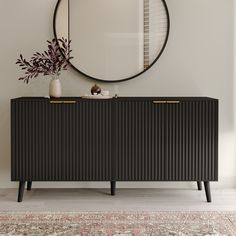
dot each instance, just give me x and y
(21, 191)
(29, 185)
(199, 185)
(113, 188)
(207, 191)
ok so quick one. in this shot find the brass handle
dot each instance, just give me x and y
(62, 102)
(166, 102)
(173, 102)
(159, 102)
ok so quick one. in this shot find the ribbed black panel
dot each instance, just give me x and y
(61, 141)
(191, 141)
(126, 139)
(140, 136)
(167, 142)
(95, 147)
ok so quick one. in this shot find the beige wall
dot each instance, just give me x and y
(198, 61)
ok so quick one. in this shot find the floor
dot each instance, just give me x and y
(83, 200)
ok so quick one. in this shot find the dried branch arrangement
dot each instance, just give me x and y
(50, 62)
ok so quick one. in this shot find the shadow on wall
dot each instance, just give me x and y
(4, 140)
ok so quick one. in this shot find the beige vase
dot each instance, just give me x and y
(55, 88)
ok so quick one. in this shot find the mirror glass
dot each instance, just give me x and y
(113, 40)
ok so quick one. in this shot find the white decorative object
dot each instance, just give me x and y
(116, 88)
(55, 88)
(105, 93)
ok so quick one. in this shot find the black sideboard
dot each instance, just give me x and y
(119, 139)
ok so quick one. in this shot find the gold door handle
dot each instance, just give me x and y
(173, 102)
(159, 102)
(166, 102)
(63, 102)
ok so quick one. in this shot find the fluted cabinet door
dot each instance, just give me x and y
(95, 146)
(191, 141)
(61, 142)
(166, 140)
(140, 131)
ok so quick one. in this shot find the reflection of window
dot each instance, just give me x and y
(146, 34)
(155, 27)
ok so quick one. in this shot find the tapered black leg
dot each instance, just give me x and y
(113, 188)
(199, 185)
(21, 191)
(29, 185)
(207, 190)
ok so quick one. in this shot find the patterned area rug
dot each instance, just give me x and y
(119, 224)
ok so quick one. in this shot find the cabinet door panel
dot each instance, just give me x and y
(31, 141)
(61, 141)
(139, 141)
(95, 146)
(191, 141)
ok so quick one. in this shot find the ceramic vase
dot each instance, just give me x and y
(55, 88)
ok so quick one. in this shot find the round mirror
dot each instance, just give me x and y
(113, 40)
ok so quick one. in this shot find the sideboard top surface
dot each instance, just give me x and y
(118, 98)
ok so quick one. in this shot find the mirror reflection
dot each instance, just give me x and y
(113, 40)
